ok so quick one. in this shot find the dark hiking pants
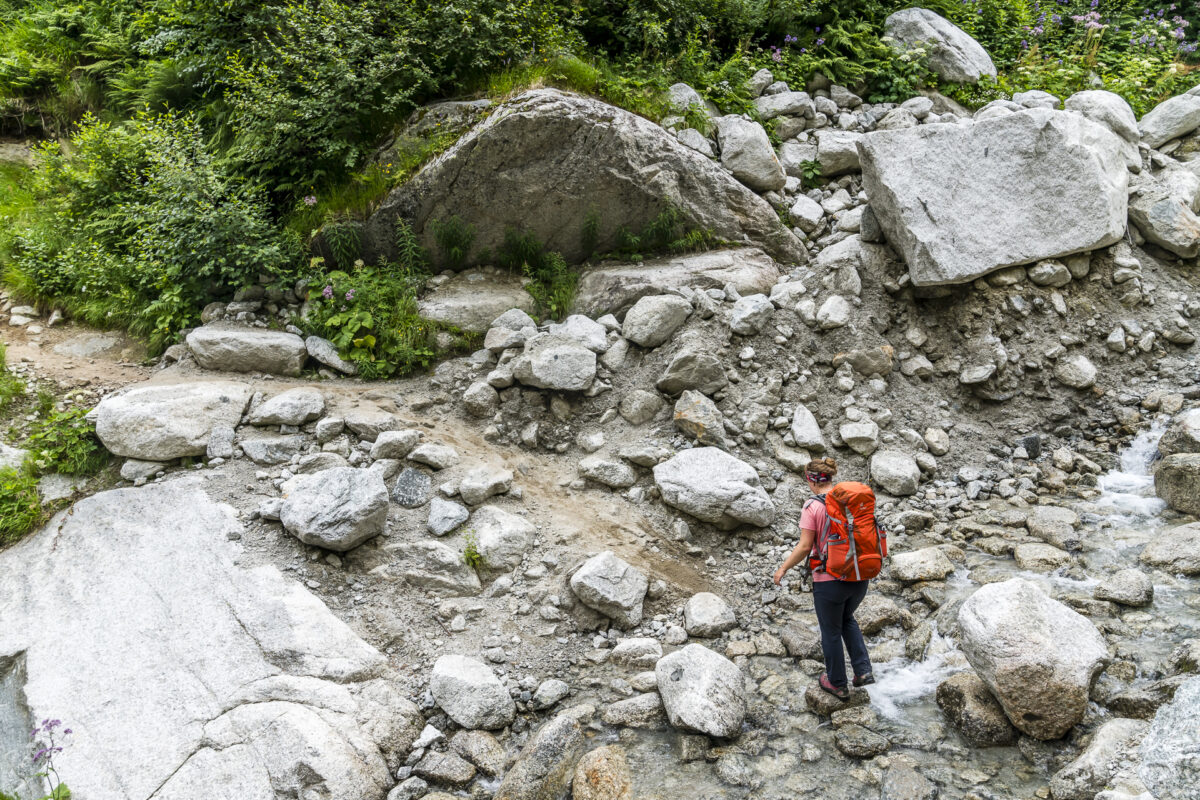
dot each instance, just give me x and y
(835, 603)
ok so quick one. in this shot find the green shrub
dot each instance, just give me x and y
(454, 239)
(65, 442)
(11, 386)
(471, 554)
(142, 227)
(20, 504)
(552, 283)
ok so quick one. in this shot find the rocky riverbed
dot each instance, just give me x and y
(544, 568)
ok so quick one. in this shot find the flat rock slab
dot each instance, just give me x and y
(960, 201)
(472, 299)
(233, 348)
(613, 289)
(88, 345)
(241, 679)
(162, 423)
(524, 165)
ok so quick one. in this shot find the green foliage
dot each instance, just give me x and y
(454, 239)
(810, 174)
(589, 237)
(65, 442)
(552, 282)
(666, 233)
(141, 227)
(471, 554)
(11, 386)
(344, 239)
(20, 504)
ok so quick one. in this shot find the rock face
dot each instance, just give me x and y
(161, 423)
(260, 690)
(470, 693)
(558, 141)
(702, 691)
(1176, 550)
(714, 486)
(1177, 480)
(973, 709)
(952, 54)
(1170, 768)
(613, 587)
(241, 349)
(337, 509)
(472, 299)
(1037, 656)
(1109, 751)
(612, 289)
(1071, 167)
(543, 770)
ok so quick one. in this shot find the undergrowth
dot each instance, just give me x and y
(11, 387)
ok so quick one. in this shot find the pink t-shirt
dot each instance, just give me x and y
(812, 517)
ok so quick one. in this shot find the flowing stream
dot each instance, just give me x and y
(1117, 522)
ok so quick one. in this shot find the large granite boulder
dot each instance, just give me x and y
(554, 361)
(1051, 183)
(1170, 752)
(1177, 480)
(470, 693)
(473, 298)
(546, 764)
(241, 678)
(162, 423)
(1175, 550)
(702, 691)
(523, 166)
(612, 586)
(747, 153)
(951, 53)
(716, 487)
(1037, 656)
(614, 288)
(237, 348)
(1108, 752)
(1182, 435)
(971, 707)
(1174, 117)
(337, 509)
(1163, 213)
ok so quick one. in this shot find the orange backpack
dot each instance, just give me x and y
(853, 544)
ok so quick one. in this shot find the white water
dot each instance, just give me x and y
(902, 682)
(1128, 491)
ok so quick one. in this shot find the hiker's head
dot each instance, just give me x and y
(819, 473)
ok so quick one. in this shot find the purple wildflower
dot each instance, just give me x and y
(350, 295)
(310, 200)
(820, 42)
(327, 292)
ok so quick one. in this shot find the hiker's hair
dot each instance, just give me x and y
(826, 468)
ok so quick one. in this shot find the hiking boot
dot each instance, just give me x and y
(864, 680)
(841, 693)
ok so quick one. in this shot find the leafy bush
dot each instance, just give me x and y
(454, 239)
(142, 227)
(552, 283)
(11, 386)
(65, 442)
(471, 554)
(20, 504)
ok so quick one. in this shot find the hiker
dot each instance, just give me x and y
(835, 598)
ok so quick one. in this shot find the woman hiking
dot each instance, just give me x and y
(835, 599)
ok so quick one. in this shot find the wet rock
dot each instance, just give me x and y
(641, 711)
(895, 472)
(543, 770)
(1107, 753)
(876, 612)
(902, 782)
(952, 54)
(702, 691)
(1039, 557)
(1177, 481)
(714, 486)
(470, 693)
(653, 320)
(445, 516)
(1036, 152)
(974, 711)
(554, 361)
(1055, 525)
(802, 642)
(858, 742)
(337, 509)
(1169, 767)
(1036, 655)
(705, 614)
(240, 349)
(611, 586)
(293, 407)
(603, 774)
(824, 704)
(163, 423)
(1128, 587)
(926, 564)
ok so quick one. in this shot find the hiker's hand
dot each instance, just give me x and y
(779, 573)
